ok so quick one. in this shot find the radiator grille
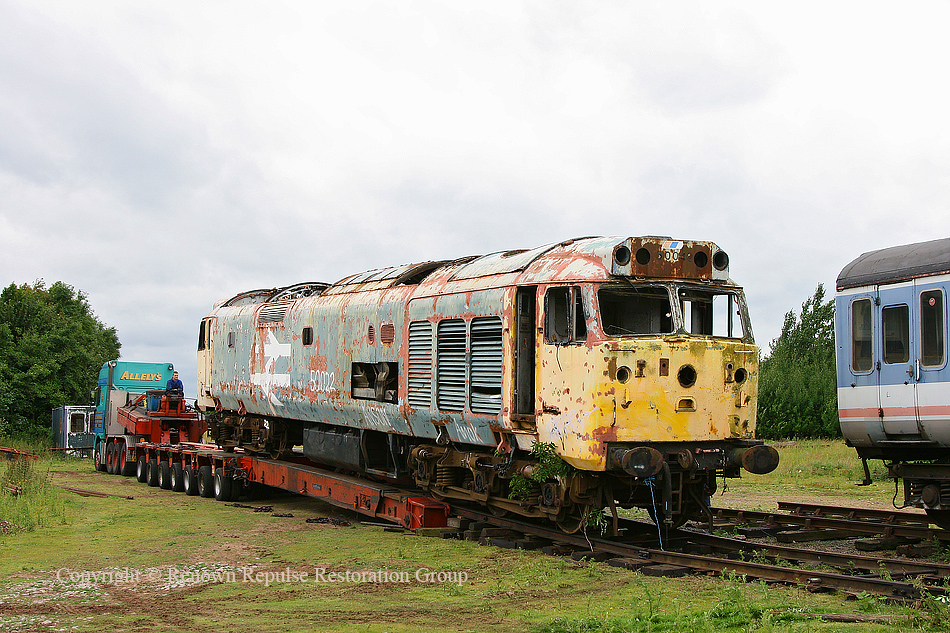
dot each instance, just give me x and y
(420, 364)
(451, 365)
(486, 365)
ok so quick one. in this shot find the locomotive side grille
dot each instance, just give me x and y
(451, 360)
(387, 333)
(420, 364)
(486, 365)
(274, 312)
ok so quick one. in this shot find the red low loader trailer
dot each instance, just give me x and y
(160, 446)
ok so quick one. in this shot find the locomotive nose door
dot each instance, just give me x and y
(898, 373)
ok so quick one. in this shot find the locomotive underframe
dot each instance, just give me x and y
(674, 489)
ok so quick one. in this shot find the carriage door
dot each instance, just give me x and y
(931, 368)
(899, 361)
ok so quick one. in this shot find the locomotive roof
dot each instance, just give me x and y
(579, 258)
(897, 263)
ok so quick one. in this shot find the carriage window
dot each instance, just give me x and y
(931, 328)
(635, 310)
(707, 313)
(896, 334)
(861, 335)
(565, 321)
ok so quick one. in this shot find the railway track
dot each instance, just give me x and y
(815, 522)
(685, 551)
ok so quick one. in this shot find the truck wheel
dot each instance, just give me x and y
(141, 469)
(177, 480)
(205, 482)
(222, 486)
(98, 457)
(110, 458)
(164, 476)
(152, 473)
(190, 480)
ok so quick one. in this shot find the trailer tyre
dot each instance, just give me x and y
(153, 473)
(177, 478)
(205, 482)
(222, 486)
(126, 468)
(164, 476)
(190, 480)
(141, 469)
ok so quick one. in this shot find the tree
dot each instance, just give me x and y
(51, 348)
(797, 382)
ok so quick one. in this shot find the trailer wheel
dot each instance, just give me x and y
(190, 480)
(126, 468)
(153, 473)
(237, 489)
(98, 457)
(164, 476)
(141, 469)
(205, 482)
(177, 479)
(222, 486)
(110, 458)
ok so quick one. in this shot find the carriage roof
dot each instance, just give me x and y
(897, 263)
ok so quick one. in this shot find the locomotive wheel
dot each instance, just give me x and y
(222, 486)
(164, 476)
(189, 479)
(176, 478)
(939, 517)
(573, 520)
(141, 469)
(98, 456)
(205, 482)
(153, 473)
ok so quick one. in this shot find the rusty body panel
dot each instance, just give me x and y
(595, 345)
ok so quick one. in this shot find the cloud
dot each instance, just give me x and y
(163, 155)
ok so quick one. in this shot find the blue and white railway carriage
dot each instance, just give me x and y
(893, 378)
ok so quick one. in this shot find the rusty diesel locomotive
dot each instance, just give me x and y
(630, 359)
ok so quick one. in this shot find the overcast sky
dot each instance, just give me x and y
(162, 155)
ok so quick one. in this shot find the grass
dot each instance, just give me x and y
(113, 564)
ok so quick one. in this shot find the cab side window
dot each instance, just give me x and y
(565, 321)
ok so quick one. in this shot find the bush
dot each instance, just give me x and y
(798, 395)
